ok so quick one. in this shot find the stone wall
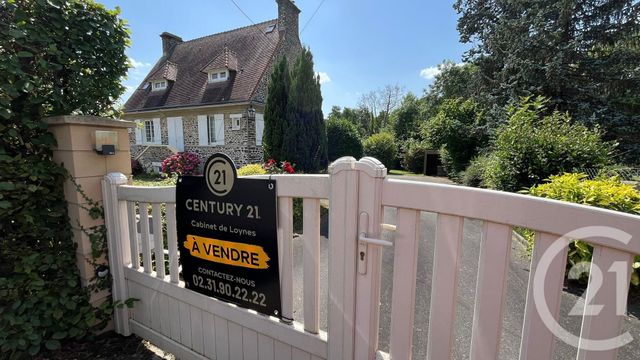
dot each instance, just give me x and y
(240, 144)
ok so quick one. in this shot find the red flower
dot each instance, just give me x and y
(287, 167)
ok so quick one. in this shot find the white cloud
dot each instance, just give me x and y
(430, 72)
(138, 64)
(324, 77)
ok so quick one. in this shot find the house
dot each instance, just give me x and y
(207, 95)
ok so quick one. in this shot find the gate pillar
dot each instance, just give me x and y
(75, 151)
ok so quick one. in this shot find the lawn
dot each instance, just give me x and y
(403, 173)
(153, 180)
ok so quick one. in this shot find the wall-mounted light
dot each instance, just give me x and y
(251, 112)
(106, 142)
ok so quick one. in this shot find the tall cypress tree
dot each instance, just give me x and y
(275, 112)
(305, 141)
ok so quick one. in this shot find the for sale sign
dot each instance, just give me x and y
(227, 235)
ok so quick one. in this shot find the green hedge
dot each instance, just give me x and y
(58, 57)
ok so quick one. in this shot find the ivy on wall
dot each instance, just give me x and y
(57, 57)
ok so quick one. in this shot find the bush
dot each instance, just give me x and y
(459, 130)
(608, 193)
(343, 139)
(473, 174)
(413, 157)
(251, 169)
(531, 147)
(182, 163)
(49, 66)
(382, 146)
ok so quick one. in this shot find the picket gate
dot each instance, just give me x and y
(194, 326)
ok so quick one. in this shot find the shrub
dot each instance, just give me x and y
(608, 193)
(343, 139)
(182, 163)
(49, 66)
(272, 167)
(251, 169)
(382, 146)
(473, 174)
(413, 157)
(531, 147)
(459, 129)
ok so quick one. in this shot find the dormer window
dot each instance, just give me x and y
(159, 85)
(218, 76)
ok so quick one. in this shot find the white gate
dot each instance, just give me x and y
(194, 326)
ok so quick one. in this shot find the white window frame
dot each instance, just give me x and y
(147, 131)
(149, 134)
(218, 76)
(212, 137)
(235, 121)
(162, 85)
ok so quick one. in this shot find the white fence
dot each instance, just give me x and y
(194, 326)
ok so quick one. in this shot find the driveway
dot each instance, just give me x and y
(514, 308)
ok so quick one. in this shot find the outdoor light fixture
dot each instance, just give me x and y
(106, 142)
(251, 112)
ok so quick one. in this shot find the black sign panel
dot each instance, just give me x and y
(227, 236)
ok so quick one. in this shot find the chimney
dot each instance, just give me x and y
(168, 42)
(287, 18)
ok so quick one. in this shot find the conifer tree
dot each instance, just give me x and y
(275, 112)
(305, 139)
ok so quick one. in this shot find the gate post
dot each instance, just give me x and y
(115, 216)
(343, 201)
(371, 174)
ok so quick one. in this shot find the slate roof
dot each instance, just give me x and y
(245, 51)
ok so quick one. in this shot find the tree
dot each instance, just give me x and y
(275, 112)
(379, 104)
(305, 142)
(582, 55)
(343, 139)
(57, 57)
(454, 80)
(408, 117)
(458, 130)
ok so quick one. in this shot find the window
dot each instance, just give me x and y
(211, 130)
(259, 128)
(218, 76)
(215, 129)
(235, 121)
(159, 85)
(149, 131)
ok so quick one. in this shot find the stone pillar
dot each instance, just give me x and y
(75, 136)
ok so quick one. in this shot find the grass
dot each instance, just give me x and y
(153, 180)
(403, 173)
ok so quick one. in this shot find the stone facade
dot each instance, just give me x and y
(239, 144)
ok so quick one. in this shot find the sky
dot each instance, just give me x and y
(357, 45)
